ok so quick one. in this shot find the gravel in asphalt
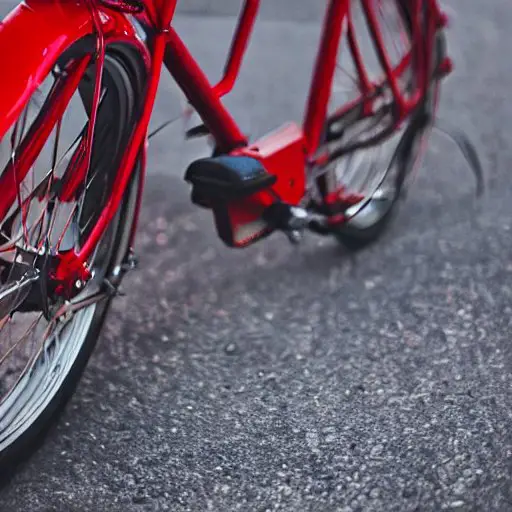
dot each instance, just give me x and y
(300, 379)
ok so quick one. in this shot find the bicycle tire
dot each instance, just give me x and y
(125, 68)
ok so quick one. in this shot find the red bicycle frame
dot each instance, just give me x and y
(286, 154)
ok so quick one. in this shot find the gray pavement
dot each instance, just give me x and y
(305, 379)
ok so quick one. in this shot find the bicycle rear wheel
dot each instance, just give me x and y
(369, 177)
(43, 352)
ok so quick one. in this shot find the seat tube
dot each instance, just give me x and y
(323, 76)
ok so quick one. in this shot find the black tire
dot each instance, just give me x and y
(124, 75)
(355, 235)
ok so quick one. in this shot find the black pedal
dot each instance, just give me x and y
(227, 178)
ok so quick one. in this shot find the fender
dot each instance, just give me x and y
(33, 36)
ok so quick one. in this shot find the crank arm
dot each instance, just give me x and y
(293, 221)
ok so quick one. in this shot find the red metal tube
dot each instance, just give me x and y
(127, 164)
(34, 141)
(195, 85)
(325, 67)
(238, 47)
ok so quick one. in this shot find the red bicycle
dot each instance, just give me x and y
(74, 119)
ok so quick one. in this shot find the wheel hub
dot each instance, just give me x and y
(28, 285)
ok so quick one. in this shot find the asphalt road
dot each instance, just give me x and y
(304, 379)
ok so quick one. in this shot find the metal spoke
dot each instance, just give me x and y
(13, 161)
(23, 338)
(352, 78)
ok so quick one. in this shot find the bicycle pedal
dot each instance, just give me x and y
(227, 178)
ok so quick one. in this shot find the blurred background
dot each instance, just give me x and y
(282, 378)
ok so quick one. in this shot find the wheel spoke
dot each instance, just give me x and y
(13, 347)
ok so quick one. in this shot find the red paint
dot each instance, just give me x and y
(16, 171)
(282, 153)
(367, 87)
(238, 47)
(40, 30)
(78, 168)
(325, 67)
(195, 85)
(128, 162)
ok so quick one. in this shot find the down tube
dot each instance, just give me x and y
(325, 67)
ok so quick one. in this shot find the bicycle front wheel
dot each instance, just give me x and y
(42, 352)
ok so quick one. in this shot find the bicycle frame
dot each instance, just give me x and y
(287, 153)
